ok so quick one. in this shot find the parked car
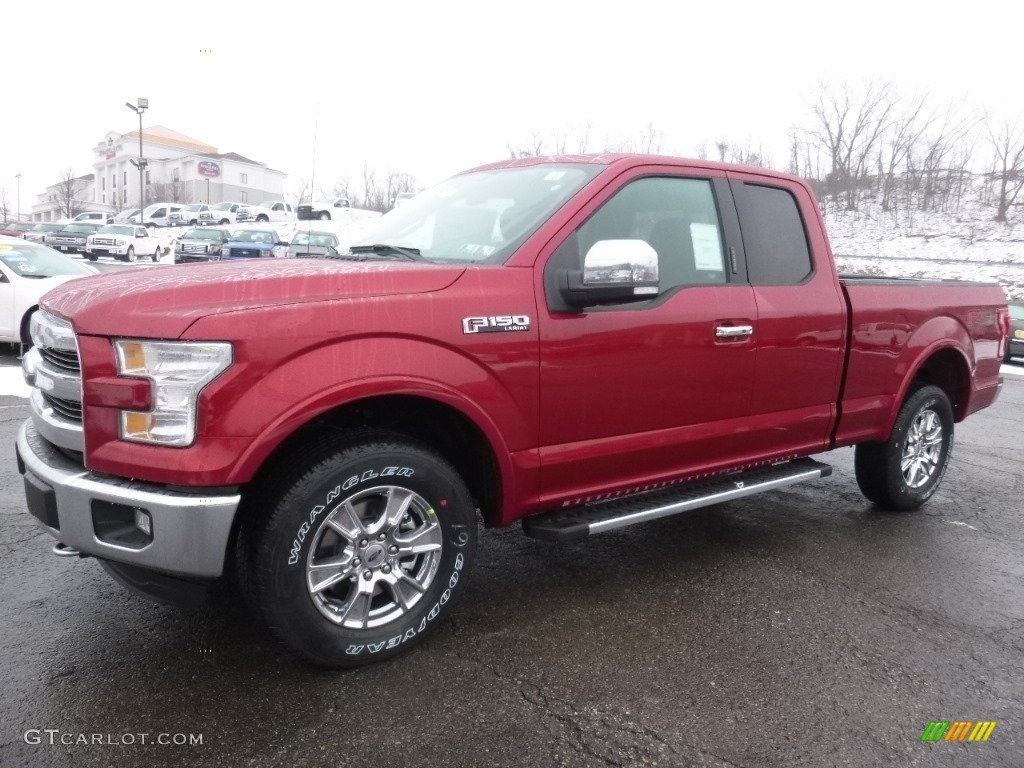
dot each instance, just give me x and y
(91, 217)
(222, 214)
(16, 228)
(39, 231)
(403, 197)
(253, 243)
(187, 215)
(125, 242)
(313, 244)
(200, 244)
(267, 211)
(72, 238)
(126, 217)
(1015, 345)
(577, 345)
(27, 271)
(158, 214)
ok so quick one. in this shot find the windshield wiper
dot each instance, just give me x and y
(381, 249)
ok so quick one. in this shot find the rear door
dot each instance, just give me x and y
(640, 393)
(801, 332)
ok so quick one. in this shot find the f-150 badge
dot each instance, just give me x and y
(495, 323)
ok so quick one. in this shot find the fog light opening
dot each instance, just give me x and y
(144, 523)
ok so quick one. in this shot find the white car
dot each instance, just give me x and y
(158, 214)
(188, 216)
(27, 271)
(125, 217)
(91, 217)
(125, 242)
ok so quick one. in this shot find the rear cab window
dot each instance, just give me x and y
(774, 235)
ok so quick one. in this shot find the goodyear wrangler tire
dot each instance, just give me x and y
(905, 471)
(363, 553)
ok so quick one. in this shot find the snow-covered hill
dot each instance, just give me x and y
(966, 245)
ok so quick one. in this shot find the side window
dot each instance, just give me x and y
(773, 236)
(278, 207)
(159, 213)
(677, 217)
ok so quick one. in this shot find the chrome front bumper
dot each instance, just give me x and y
(190, 531)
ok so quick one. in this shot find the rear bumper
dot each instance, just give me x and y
(190, 531)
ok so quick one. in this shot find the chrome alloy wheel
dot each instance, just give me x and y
(923, 448)
(374, 556)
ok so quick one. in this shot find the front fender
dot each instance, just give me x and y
(277, 402)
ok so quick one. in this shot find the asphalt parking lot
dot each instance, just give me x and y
(800, 627)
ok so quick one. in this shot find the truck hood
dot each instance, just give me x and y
(162, 302)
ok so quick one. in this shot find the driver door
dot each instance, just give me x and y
(643, 393)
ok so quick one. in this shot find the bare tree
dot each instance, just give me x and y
(67, 190)
(368, 184)
(650, 140)
(305, 193)
(1007, 140)
(532, 147)
(905, 131)
(5, 204)
(396, 183)
(169, 192)
(848, 123)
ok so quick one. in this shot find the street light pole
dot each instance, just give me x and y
(139, 109)
(18, 177)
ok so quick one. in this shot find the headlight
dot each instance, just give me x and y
(179, 371)
(119, 243)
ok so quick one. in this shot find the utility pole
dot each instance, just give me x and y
(141, 164)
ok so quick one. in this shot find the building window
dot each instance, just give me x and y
(103, 198)
(103, 183)
(126, 178)
(243, 196)
(147, 177)
(243, 178)
(113, 181)
(176, 176)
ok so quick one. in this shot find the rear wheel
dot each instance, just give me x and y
(362, 549)
(91, 256)
(325, 216)
(262, 218)
(224, 222)
(905, 471)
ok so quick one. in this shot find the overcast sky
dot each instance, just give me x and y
(431, 88)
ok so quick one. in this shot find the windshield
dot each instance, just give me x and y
(203, 234)
(1017, 312)
(223, 206)
(114, 229)
(315, 238)
(480, 217)
(193, 207)
(79, 228)
(37, 261)
(48, 227)
(266, 204)
(253, 236)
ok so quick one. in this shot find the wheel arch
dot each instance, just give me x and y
(436, 420)
(939, 353)
(26, 318)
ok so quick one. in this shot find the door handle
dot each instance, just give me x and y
(733, 331)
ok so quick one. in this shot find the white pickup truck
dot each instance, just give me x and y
(332, 208)
(220, 214)
(125, 242)
(187, 216)
(268, 210)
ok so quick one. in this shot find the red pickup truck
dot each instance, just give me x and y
(580, 343)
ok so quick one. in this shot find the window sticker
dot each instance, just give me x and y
(4, 248)
(707, 247)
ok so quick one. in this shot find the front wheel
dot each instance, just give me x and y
(325, 216)
(261, 218)
(131, 253)
(905, 471)
(363, 551)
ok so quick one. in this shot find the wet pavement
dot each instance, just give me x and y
(799, 627)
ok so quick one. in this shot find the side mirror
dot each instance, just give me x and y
(281, 243)
(613, 271)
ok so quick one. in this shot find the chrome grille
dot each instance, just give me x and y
(61, 359)
(53, 369)
(69, 409)
(103, 241)
(193, 248)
